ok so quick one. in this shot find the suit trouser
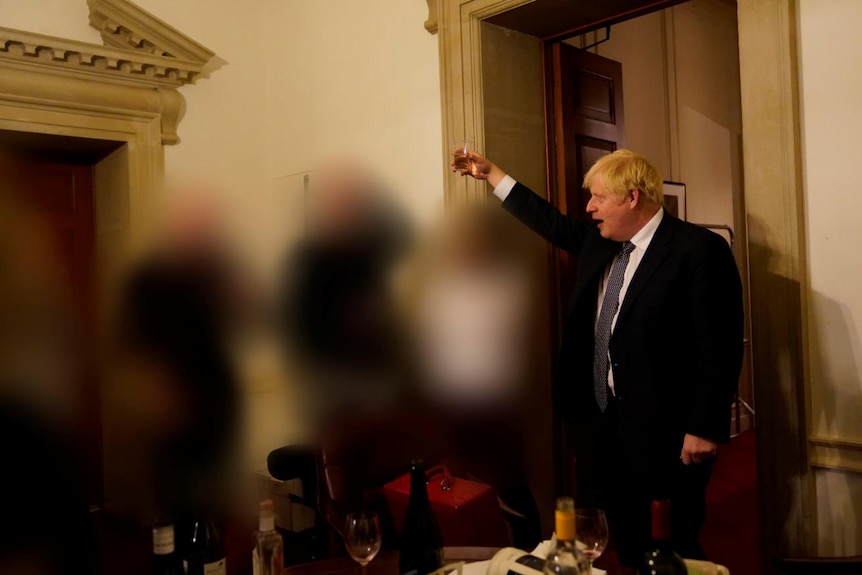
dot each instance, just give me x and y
(629, 491)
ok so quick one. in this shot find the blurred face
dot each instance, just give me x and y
(614, 215)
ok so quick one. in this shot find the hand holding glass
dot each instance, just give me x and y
(591, 525)
(362, 537)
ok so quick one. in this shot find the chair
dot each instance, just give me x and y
(301, 462)
(847, 565)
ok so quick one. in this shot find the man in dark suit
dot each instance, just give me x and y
(652, 342)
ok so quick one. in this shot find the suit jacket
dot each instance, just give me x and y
(676, 349)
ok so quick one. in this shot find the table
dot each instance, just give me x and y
(386, 563)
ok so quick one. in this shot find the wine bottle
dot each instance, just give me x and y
(268, 554)
(564, 557)
(421, 548)
(662, 559)
(165, 560)
(206, 552)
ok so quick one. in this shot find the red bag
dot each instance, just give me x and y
(467, 512)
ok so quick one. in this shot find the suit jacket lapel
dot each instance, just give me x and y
(659, 248)
(594, 260)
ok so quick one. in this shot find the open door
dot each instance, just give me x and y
(586, 122)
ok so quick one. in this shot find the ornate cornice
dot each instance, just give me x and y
(431, 22)
(125, 25)
(80, 59)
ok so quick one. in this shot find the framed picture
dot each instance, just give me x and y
(674, 199)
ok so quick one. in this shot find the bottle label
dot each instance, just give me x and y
(163, 540)
(266, 523)
(216, 568)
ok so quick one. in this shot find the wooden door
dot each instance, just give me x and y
(586, 122)
(62, 191)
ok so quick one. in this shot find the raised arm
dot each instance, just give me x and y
(532, 210)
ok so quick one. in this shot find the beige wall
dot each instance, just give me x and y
(831, 89)
(301, 81)
(639, 44)
(708, 107)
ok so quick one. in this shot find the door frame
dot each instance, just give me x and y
(775, 218)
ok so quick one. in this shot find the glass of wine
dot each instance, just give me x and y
(591, 525)
(461, 161)
(362, 537)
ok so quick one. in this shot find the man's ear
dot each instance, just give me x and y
(634, 198)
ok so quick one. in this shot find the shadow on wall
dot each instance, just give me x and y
(781, 434)
(836, 369)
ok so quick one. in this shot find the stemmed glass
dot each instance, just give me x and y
(362, 537)
(591, 525)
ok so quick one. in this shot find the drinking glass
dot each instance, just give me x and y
(460, 161)
(591, 525)
(362, 537)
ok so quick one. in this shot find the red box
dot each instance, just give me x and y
(468, 513)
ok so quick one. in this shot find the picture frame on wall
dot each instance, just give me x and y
(674, 199)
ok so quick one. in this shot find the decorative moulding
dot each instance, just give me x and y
(431, 22)
(27, 50)
(125, 25)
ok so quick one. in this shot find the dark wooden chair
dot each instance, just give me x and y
(301, 462)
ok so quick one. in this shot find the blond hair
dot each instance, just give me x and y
(623, 171)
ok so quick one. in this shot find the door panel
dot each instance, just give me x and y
(63, 193)
(588, 122)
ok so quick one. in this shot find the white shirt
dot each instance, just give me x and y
(641, 241)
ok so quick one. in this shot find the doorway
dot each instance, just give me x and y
(682, 98)
(61, 178)
(681, 109)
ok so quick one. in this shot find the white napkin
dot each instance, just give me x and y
(476, 568)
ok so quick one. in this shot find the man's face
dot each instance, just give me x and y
(613, 214)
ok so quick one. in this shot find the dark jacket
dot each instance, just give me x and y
(676, 350)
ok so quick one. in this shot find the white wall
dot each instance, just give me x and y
(639, 45)
(831, 88)
(302, 80)
(356, 78)
(681, 98)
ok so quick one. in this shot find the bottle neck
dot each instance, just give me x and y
(163, 540)
(418, 486)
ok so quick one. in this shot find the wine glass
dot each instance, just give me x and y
(591, 525)
(362, 537)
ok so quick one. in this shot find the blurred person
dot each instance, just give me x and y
(178, 388)
(652, 343)
(45, 524)
(336, 314)
(471, 319)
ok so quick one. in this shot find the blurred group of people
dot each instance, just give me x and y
(374, 317)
